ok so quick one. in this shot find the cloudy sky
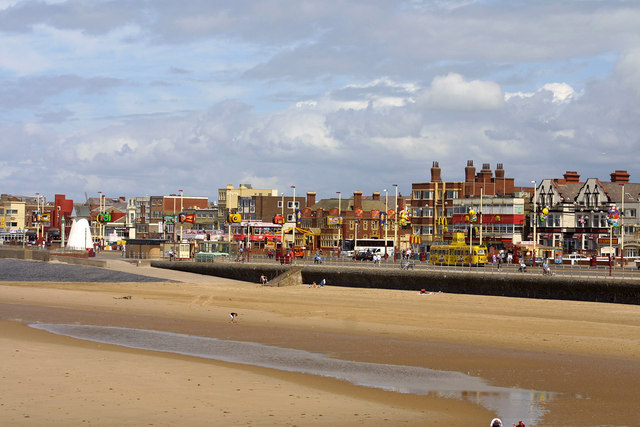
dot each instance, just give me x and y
(142, 97)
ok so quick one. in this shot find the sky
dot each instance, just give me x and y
(149, 97)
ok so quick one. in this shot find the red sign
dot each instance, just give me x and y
(375, 214)
(605, 241)
(359, 212)
(191, 218)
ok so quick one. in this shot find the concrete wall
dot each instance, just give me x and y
(20, 253)
(605, 289)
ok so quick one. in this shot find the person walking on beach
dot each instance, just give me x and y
(233, 316)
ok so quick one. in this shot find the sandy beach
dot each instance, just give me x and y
(583, 357)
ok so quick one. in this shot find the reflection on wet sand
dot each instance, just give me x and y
(510, 403)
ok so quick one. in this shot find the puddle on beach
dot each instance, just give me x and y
(508, 403)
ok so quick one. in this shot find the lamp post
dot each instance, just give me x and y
(174, 221)
(282, 225)
(37, 218)
(395, 225)
(480, 215)
(470, 241)
(181, 208)
(622, 229)
(386, 220)
(535, 222)
(339, 222)
(295, 221)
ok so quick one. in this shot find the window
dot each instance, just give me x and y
(290, 204)
(280, 204)
(427, 194)
(427, 229)
(452, 194)
(12, 211)
(628, 212)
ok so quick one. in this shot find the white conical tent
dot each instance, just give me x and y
(80, 235)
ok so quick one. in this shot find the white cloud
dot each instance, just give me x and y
(453, 92)
(561, 93)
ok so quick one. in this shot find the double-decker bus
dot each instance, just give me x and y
(350, 247)
(457, 252)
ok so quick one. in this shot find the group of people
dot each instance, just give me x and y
(497, 422)
(318, 285)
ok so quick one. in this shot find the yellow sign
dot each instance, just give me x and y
(235, 218)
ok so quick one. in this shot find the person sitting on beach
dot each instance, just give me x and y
(496, 422)
(323, 282)
(263, 279)
(233, 316)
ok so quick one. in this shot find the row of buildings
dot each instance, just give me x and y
(569, 214)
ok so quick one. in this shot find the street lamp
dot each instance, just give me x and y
(535, 222)
(37, 218)
(395, 225)
(295, 221)
(480, 215)
(386, 220)
(622, 229)
(181, 208)
(282, 226)
(339, 222)
(174, 220)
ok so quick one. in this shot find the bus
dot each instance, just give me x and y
(457, 252)
(350, 247)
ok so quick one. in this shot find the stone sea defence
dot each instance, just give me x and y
(598, 289)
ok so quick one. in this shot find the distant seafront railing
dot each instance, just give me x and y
(580, 284)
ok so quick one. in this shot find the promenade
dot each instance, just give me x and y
(580, 359)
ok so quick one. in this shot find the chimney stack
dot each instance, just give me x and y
(376, 195)
(357, 200)
(621, 177)
(571, 176)
(485, 172)
(499, 171)
(435, 172)
(311, 198)
(469, 171)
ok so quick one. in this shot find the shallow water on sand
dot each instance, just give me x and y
(509, 403)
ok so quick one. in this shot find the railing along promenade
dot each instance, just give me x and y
(579, 283)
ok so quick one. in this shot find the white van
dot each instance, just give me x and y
(574, 258)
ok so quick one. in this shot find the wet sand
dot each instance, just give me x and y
(587, 353)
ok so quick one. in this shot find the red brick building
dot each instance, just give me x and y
(432, 202)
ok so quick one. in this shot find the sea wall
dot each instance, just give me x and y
(510, 284)
(7, 251)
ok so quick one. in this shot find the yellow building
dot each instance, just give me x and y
(228, 197)
(12, 213)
